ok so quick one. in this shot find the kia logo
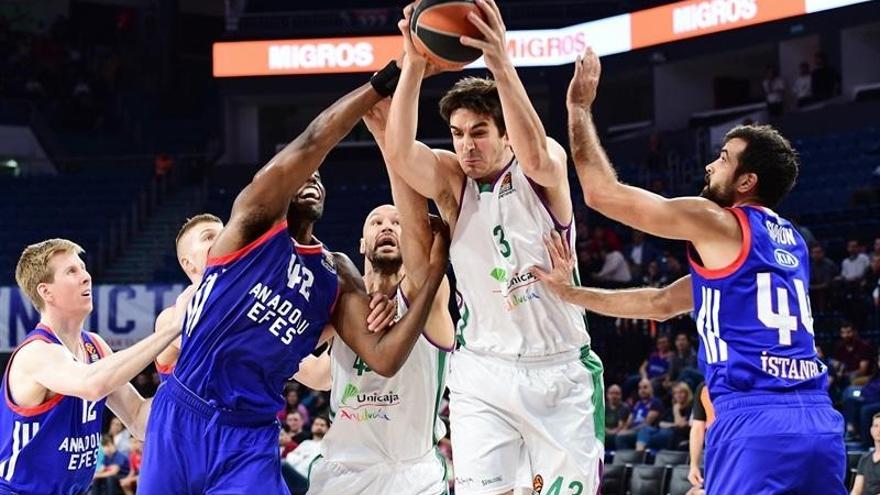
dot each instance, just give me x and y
(785, 258)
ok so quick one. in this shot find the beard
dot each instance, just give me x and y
(307, 213)
(385, 263)
(717, 195)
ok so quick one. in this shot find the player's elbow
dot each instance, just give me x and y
(93, 392)
(388, 367)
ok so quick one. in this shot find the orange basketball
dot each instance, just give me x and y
(436, 26)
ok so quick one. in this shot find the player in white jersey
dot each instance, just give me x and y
(385, 430)
(526, 391)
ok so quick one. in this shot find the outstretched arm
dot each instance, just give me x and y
(52, 367)
(692, 218)
(265, 200)
(415, 237)
(542, 159)
(643, 303)
(425, 170)
(385, 352)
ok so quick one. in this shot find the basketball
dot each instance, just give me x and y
(436, 27)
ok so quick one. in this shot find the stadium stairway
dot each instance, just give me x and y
(148, 249)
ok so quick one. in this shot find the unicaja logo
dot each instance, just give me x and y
(349, 392)
(353, 397)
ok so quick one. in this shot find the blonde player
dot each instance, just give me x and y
(385, 430)
(526, 390)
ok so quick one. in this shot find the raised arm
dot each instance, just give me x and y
(425, 170)
(386, 351)
(642, 303)
(695, 219)
(265, 200)
(52, 367)
(542, 159)
(416, 235)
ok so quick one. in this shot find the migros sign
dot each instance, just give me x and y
(527, 48)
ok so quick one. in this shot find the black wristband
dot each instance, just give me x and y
(385, 80)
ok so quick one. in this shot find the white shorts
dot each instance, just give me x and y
(538, 425)
(425, 476)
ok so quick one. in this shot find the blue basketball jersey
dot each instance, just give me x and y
(256, 314)
(50, 449)
(753, 317)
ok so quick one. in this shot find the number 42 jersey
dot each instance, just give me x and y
(753, 317)
(257, 313)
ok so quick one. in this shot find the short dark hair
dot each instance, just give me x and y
(769, 156)
(192, 222)
(477, 94)
(875, 416)
(107, 440)
(323, 417)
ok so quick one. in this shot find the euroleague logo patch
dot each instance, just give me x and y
(538, 484)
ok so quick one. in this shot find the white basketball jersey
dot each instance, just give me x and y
(378, 419)
(497, 238)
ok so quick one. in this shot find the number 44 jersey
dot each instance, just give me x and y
(753, 317)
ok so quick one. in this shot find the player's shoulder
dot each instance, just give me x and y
(347, 274)
(164, 316)
(37, 352)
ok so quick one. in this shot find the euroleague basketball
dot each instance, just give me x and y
(436, 27)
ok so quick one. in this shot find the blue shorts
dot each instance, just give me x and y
(193, 447)
(764, 444)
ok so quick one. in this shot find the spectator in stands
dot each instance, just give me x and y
(824, 81)
(295, 466)
(285, 442)
(292, 403)
(774, 90)
(867, 480)
(853, 275)
(656, 367)
(860, 403)
(121, 436)
(683, 362)
(672, 429)
(294, 423)
(614, 266)
(653, 277)
(640, 253)
(822, 274)
(129, 483)
(803, 85)
(854, 268)
(114, 468)
(616, 415)
(646, 412)
(852, 356)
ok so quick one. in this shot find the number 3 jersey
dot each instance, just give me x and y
(257, 313)
(753, 317)
(50, 449)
